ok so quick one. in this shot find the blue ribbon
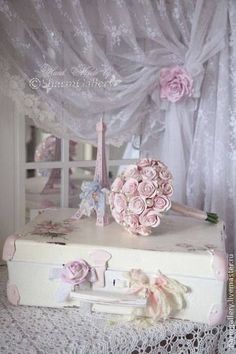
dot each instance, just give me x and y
(92, 197)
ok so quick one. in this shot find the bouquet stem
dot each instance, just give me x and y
(194, 213)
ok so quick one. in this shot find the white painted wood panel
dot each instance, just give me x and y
(7, 169)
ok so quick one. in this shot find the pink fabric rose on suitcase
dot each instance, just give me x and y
(140, 195)
(175, 83)
(78, 272)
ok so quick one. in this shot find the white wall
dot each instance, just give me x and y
(7, 169)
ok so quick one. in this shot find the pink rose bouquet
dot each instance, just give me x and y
(140, 195)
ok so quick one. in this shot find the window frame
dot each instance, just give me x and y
(64, 165)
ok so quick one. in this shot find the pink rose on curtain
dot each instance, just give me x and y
(175, 83)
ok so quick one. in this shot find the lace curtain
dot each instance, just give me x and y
(68, 62)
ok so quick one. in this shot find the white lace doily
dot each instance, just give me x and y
(31, 330)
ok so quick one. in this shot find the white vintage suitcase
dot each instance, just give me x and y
(189, 254)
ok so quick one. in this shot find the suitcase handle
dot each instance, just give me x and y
(108, 298)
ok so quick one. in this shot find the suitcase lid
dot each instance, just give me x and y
(180, 245)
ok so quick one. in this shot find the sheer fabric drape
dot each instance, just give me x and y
(79, 59)
(211, 181)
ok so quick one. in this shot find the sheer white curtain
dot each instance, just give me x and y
(211, 182)
(106, 56)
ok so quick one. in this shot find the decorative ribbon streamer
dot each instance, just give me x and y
(93, 197)
(164, 295)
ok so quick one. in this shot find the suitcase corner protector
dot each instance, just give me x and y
(219, 265)
(217, 314)
(9, 247)
(13, 294)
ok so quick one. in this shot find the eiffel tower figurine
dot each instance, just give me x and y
(101, 175)
(93, 196)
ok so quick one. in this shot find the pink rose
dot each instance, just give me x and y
(175, 83)
(120, 202)
(132, 171)
(117, 185)
(130, 187)
(75, 272)
(131, 221)
(144, 163)
(147, 189)
(150, 218)
(149, 173)
(154, 163)
(161, 166)
(137, 205)
(119, 217)
(161, 203)
(167, 189)
(165, 175)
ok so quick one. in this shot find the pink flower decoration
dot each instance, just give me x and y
(143, 197)
(146, 163)
(161, 203)
(132, 220)
(149, 218)
(165, 175)
(132, 171)
(167, 189)
(161, 166)
(175, 83)
(130, 187)
(118, 216)
(147, 189)
(143, 163)
(75, 272)
(149, 173)
(117, 185)
(120, 202)
(137, 205)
